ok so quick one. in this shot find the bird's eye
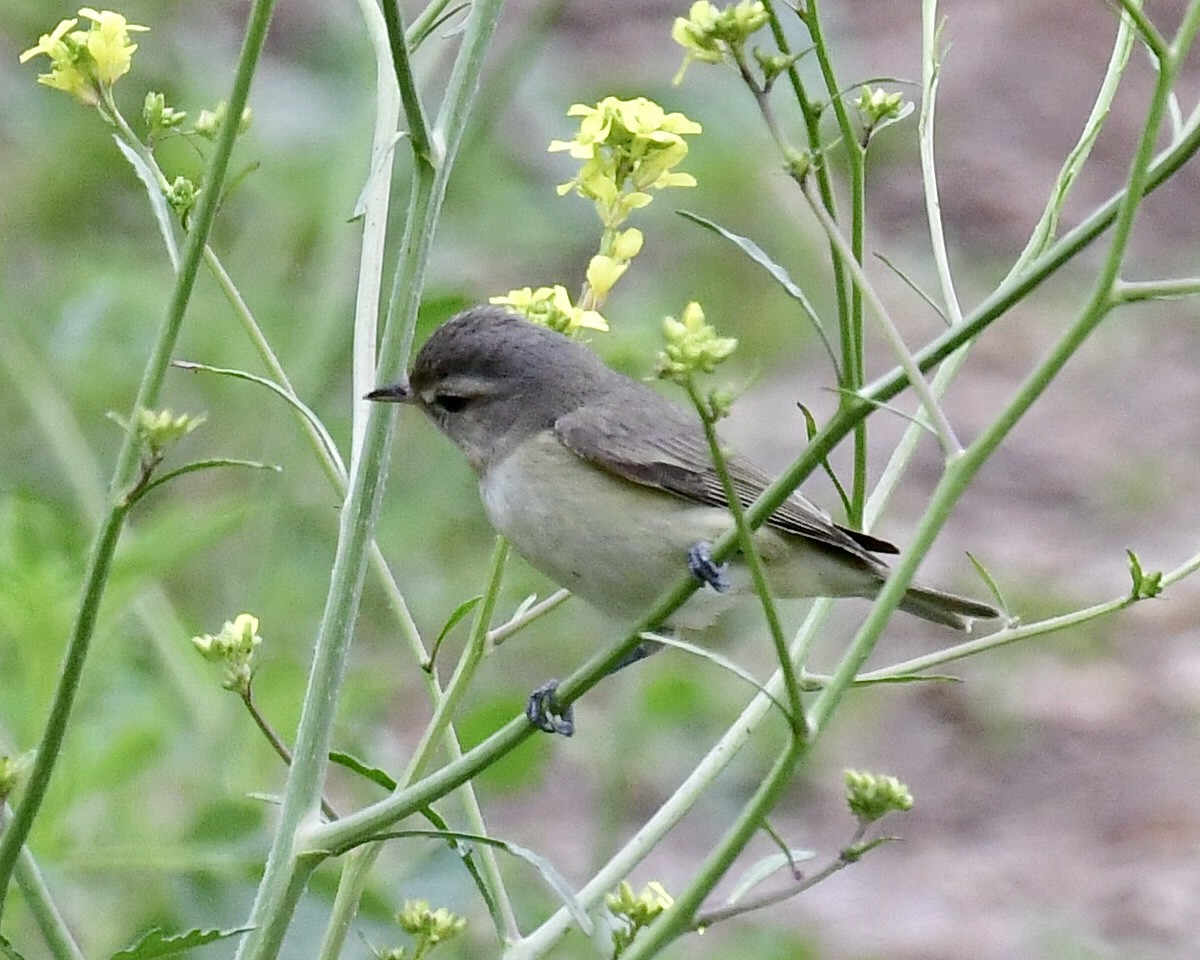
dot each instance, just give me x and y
(449, 402)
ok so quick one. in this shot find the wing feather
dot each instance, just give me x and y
(659, 445)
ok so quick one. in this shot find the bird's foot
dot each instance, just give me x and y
(700, 563)
(545, 712)
(646, 648)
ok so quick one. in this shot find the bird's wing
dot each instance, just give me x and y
(660, 445)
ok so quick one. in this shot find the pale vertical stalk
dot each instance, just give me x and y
(376, 196)
(286, 870)
(931, 68)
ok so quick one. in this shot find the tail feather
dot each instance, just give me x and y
(946, 608)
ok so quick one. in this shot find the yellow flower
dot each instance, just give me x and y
(707, 33)
(551, 307)
(628, 147)
(108, 43)
(603, 272)
(81, 59)
(52, 44)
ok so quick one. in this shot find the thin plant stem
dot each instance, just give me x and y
(931, 69)
(753, 561)
(751, 904)
(287, 864)
(680, 916)
(29, 880)
(376, 200)
(945, 433)
(108, 535)
(960, 472)
(276, 742)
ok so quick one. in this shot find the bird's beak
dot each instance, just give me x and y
(393, 393)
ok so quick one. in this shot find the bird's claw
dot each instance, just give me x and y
(545, 712)
(700, 563)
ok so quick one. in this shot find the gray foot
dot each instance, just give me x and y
(544, 712)
(700, 563)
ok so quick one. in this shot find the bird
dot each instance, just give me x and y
(608, 488)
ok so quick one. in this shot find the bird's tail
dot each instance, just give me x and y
(945, 608)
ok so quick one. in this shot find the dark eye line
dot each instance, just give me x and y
(450, 402)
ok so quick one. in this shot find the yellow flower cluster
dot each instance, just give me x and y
(85, 62)
(708, 33)
(551, 307)
(628, 147)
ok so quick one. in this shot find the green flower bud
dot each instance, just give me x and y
(157, 429)
(693, 346)
(235, 647)
(871, 796)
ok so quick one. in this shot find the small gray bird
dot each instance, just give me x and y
(608, 488)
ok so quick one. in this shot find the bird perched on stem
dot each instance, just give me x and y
(609, 489)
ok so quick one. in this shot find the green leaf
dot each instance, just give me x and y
(305, 411)
(158, 202)
(374, 774)
(1145, 585)
(810, 427)
(989, 581)
(756, 873)
(467, 853)
(914, 287)
(759, 256)
(553, 878)
(723, 662)
(157, 944)
(459, 612)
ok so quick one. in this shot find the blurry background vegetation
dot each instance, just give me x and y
(1056, 814)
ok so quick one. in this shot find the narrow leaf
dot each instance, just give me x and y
(157, 944)
(810, 425)
(989, 581)
(756, 873)
(313, 420)
(759, 256)
(459, 612)
(723, 662)
(374, 774)
(553, 878)
(467, 854)
(158, 202)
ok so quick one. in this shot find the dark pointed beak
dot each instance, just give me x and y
(393, 393)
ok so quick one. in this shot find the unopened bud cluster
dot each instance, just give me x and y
(234, 647)
(871, 796)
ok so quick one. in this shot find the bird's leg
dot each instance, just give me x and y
(644, 649)
(700, 563)
(545, 712)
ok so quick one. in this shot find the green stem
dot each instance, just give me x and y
(1136, 291)
(103, 547)
(945, 433)
(931, 66)
(50, 922)
(678, 919)
(410, 96)
(281, 885)
(811, 115)
(795, 713)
